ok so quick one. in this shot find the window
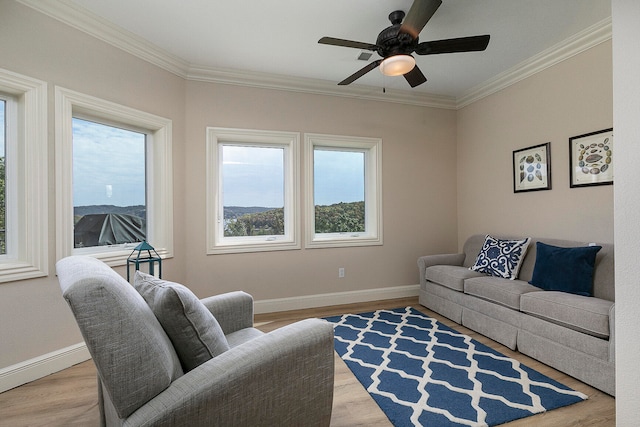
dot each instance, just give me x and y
(109, 185)
(113, 165)
(343, 197)
(252, 190)
(23, 177)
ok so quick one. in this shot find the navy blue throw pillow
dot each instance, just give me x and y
(565, 269)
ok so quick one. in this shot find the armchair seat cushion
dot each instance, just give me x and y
(243, 335)
(194, 332)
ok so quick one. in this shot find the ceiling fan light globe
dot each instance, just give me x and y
(397, 65)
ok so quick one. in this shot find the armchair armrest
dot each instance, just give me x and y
(440, 259)
(232, 310)
(281, 378)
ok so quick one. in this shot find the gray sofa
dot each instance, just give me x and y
(571, 333)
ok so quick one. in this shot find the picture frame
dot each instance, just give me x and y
(591, 159)
(532, 168)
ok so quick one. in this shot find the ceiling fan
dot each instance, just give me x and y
(396, 43)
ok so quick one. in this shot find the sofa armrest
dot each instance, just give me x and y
(440, 259)
(232, 310)
(284, 377)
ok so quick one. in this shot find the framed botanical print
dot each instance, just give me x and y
(591, 159)
(532, 168)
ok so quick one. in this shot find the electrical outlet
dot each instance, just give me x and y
(341, 272)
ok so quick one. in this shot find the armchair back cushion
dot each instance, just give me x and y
(194, 332)
(132, 353)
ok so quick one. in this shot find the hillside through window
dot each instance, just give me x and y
(109, 185)
(252, 190)
(338, 179)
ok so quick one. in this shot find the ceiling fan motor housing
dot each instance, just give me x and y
(391, 41)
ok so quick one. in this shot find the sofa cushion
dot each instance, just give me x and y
(451, 276)
(584, 314)
(501, 291)
(194, 332)
(501, 258)
(565, 269)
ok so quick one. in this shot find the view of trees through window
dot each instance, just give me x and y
(338, 190)
(253, 191)
(109, 184)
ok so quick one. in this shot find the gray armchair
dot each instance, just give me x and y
(282, 378)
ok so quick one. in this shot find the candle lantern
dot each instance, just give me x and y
(144, 253)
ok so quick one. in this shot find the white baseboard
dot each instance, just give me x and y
(336, 298)
(38, 367)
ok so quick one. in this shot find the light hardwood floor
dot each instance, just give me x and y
(69, 397)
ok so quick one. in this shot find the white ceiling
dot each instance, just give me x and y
(279, 37)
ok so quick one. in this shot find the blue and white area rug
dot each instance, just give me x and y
(423, 373)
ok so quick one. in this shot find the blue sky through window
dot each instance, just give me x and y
(338, 176)
(109, 169)
(253, 176)
(108, 165)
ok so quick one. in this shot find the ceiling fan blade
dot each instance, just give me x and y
(361, 72)
(418, 16)
(462, 44)
(347, 43)
(415, 77)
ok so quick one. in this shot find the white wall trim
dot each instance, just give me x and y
(28, 196)
(80, 19)
(55, 361)
(335, 298)
(41, 366)
(590, 37)
(76, 17)
(317, 86)
(83, 20)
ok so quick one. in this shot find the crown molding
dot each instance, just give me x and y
(316, 86)
(76, 17)
(85, 21)
(584, 40)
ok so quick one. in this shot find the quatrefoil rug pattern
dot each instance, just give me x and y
(423, 373)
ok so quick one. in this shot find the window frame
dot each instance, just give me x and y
(372, 148)
(217, 243)
(27, 167)
(11, 222)
(159, 173)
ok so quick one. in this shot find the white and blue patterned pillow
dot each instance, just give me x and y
(501, 258)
